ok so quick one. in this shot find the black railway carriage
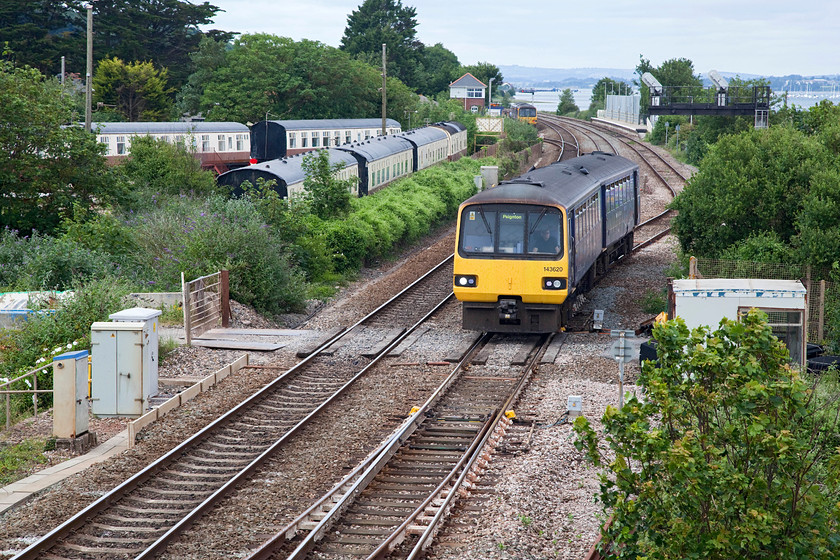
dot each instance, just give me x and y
(277, 139)
(526, 248)
(287, 173)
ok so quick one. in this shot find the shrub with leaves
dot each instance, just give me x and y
(729, 453)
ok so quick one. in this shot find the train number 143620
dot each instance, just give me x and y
(552, 269)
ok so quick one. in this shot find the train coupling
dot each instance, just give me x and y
(508, 310)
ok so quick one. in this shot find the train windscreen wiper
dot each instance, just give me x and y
(537, 223)
(483, 219)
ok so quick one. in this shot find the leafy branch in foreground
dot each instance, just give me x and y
(730, 452)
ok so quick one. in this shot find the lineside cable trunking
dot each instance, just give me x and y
(124, 362)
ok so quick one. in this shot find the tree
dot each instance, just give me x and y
(46, 167)
(729, 454)
(747, 183)
(137, 90)
(204, 61)
(163, 32)
(602, 88)
(388, 22)
(328, 196)
(440, 68)
(567, 103)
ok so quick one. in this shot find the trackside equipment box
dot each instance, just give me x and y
(705, 301)
(124, 368)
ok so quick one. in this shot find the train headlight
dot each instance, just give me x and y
(466, 280)
(554, 283)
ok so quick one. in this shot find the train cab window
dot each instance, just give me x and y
(512, 232)
(544, 234)
(477, 227)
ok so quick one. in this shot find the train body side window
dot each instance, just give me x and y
(292, 140)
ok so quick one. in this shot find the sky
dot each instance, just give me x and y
(764, 37)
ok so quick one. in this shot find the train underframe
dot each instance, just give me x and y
(509, 314)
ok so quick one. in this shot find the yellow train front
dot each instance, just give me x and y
(523, 112)
(527, 247)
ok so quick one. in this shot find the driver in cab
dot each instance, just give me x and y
(544, 242)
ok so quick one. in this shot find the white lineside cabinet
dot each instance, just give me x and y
(124, 369)
(706, 301)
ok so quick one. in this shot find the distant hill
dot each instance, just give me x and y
(528, 76)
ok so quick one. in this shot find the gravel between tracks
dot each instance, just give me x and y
(544, 506)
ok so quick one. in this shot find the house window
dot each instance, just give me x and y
(475, 93)
(120, 145)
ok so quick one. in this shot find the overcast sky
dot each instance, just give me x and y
(766, 37)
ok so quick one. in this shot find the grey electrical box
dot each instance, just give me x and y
(124, 369)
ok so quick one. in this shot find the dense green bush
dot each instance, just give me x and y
(198, 237)
(47, 263)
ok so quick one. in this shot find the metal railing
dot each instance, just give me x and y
(6, 389)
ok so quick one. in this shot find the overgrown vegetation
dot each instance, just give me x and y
(19, 457)
(730, 452)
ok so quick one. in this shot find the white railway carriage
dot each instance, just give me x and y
(277, 139)
(457, 134)
(381, 160)
(431, 146)
(215, 144)
(288, 174)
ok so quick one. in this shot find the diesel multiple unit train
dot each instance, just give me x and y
(375, 162)
(526, 248)
(523, 112)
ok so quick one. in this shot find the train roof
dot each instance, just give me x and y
(521, 105)
(287, 171)
(323, 124)
(452, 126)
(562, 183)
(378, 148)
(174, 127)
(424, 135)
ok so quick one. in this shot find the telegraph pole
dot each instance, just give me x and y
(89, 69)
(384, 96)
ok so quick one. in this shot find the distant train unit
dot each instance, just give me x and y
(216, 144)
(523, 112)
(278, 139)
(376, 161)
(526, 248)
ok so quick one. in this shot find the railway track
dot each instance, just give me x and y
(139, 518)
(394, 502)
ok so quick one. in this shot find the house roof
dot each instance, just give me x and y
(467, 80)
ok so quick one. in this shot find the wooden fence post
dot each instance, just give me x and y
(225, 293)
(821, 321)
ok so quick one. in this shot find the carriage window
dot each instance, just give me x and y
(292, 140)
(240, 142)
(304, 139)
(316, 140)
(120, 145)
(221, 142)
(348, 137)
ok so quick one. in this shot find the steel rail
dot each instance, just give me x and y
(80, 519)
